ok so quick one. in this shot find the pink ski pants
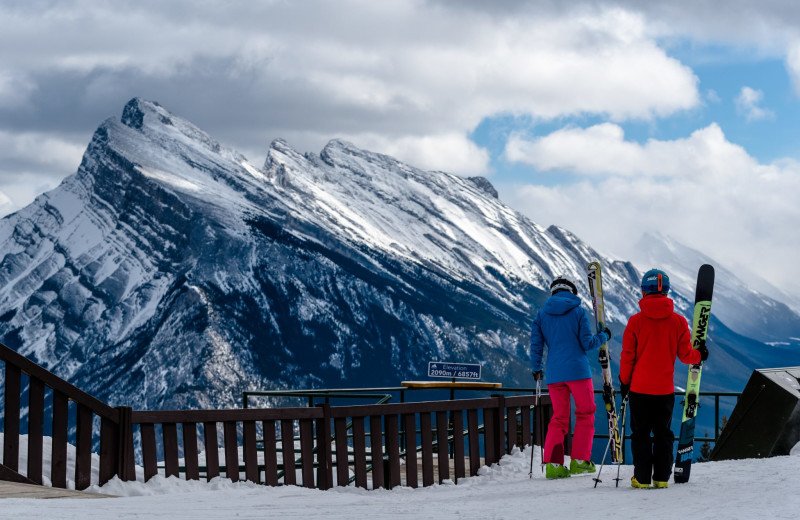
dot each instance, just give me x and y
(583, 394)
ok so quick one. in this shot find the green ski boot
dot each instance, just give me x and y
(576, 467)
(556, 471)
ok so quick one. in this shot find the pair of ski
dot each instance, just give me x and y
(702, 313)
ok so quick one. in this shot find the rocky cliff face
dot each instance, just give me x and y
(169, 272)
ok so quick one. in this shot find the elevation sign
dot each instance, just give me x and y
(462, 370)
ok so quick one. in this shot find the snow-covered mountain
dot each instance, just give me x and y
(170, 272)
(744, 309)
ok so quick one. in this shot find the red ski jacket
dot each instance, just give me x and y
(652, 340)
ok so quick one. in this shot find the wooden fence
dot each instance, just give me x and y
(380, 445)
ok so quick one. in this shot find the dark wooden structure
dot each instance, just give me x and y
(382, 445)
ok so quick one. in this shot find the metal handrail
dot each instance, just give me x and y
(716, 396)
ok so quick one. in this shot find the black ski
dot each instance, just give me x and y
(702, 315)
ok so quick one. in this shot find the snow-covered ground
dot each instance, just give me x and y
(746, 489)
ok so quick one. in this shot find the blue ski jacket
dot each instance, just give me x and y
(563, 326)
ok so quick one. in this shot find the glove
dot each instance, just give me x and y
(602, 329)
(537, 375)
(624, 389)
(703, 351)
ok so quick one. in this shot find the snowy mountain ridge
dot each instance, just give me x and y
(170, 272)
(746, 310)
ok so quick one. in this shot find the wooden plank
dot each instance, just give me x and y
(11, 411)
(83, 448)
(376, 452)
(307, 452)
(287, 446)
(190, 453)
(109, 450)
(465, 385)
(13, 476)
(212, 449)
(234, 415)
(231, 451)
(169, 434)
(359, 452)
(149, 455)
(500, 428)
(393, 449)
(511, 428)
(324, 453)
(490, 435)
(342, 455)
(58, 467)
(270, 454)
(527, 431)
(410, 408)
(251, 472)
(426, 441)
(410, 427)
(474, 442)
(126, 463)
(521, 400)
(443, 456)
(457, 418)
(36, 491)
(35, 429)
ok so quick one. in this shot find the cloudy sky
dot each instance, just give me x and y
(608, 118)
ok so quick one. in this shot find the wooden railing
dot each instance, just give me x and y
(41, 383)
(453, 443)
(320, 446)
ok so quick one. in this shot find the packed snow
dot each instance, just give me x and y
(754, 488)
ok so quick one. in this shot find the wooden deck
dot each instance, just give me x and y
(17, 490)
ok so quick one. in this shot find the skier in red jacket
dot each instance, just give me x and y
(652, 340)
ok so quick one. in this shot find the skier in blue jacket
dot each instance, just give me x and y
(562, 325)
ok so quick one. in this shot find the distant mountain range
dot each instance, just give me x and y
(170, 272)
(742, 308)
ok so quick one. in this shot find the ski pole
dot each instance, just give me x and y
(541, 440)
(597, 478)
(536, 410)
(622, 408)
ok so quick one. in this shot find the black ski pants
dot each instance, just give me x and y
(652, 456)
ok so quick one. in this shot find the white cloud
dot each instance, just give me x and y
(703, 190)
(6, 206)
(48, 150)
(14, 90)
(395, 69)
(712, 96)
(32, 163)
(602, 150)
(747, 104)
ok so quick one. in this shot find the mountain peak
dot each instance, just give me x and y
(485, 185)
(133, 115)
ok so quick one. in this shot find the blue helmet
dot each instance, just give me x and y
(655, 281)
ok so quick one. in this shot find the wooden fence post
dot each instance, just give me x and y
(500, 427)
(126, 469)
(324, 459)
